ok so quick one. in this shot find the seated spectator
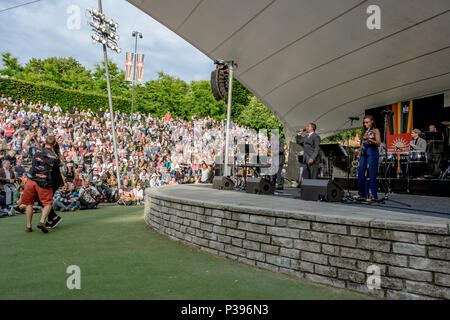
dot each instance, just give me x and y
(7, 179)
(138, 194)
(126, 195)
(62, 200)
(9, 130)
(74, 195)
(11, 157)
(205, 173)
(19, 169)
(88, 196)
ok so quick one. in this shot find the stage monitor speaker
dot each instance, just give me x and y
(323, 190)
(223, 183)
(259, 186)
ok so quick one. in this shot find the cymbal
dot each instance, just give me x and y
(446, 123)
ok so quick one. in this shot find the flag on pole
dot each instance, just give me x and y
(129, 63)
(140, 67)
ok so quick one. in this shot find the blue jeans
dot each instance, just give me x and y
(368, 166)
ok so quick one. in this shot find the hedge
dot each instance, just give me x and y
(19, 89)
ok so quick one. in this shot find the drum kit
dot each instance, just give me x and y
(408, 165)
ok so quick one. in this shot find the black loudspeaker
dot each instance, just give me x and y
(259, 186)
(223, 183)
(324, 190)
(219, 83)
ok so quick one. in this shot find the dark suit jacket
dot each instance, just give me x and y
(310, 146)
(3, 177)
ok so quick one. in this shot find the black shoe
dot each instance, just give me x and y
(54, 224)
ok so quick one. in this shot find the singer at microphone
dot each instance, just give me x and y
(311, 154)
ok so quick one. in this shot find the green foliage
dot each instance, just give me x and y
(65, 98)
(257, 116)
(202, 102)
(341, 137)
(11, 65)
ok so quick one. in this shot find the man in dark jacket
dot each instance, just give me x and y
(311, 151)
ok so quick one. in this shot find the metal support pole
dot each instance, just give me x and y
(134, 76)
(108, 84)
(227, 139)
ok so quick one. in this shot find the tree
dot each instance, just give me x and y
(258, 116)
(202, 102)
(11, 65)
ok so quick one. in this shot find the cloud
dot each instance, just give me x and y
(40, 30)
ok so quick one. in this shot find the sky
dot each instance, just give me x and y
(49, 28)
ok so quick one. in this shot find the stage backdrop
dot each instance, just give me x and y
(400, 125)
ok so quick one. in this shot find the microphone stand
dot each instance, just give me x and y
(349, 164)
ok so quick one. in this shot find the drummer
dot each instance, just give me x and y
(417, 146)
(417, 143)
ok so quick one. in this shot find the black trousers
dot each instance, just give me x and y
(279, 180)
(310, 171)
(88, 205)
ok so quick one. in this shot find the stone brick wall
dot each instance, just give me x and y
(414, 260)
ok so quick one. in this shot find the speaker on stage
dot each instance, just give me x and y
(324, 190)
(223, 183)
(259, 186)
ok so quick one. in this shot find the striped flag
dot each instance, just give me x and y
(129, 63)
(140, 67)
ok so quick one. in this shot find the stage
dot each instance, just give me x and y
(406, 203)
(427, 187)
(328, 243)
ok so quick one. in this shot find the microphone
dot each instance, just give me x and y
(388, 112)
(353, 118)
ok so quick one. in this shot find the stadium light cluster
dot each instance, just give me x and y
(104, 30)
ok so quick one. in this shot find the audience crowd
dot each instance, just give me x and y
(151, 152)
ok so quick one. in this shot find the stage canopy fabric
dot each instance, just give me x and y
(316, 60)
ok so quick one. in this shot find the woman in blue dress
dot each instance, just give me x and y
(368, 160)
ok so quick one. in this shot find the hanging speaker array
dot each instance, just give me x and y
(219, 81)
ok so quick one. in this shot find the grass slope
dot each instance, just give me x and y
(122, 258)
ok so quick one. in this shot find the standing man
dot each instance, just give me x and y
(279, 182)
(311, 143)
(40, 182)
(435, 149)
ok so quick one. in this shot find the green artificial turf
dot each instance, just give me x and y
(120, 257)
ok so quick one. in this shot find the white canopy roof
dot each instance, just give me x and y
(316, 60)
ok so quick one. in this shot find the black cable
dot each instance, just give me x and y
(20, 5)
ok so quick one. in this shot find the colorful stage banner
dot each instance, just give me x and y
(129, 63)
(400, 125)
(140, 67)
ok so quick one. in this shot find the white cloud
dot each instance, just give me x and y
(40, 30)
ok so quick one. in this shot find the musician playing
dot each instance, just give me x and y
(311, 143)
(368, 159)
(435, 148)
(417, 144)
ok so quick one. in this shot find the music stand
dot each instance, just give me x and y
(332, 150)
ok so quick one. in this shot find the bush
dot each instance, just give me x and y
(19, 89)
